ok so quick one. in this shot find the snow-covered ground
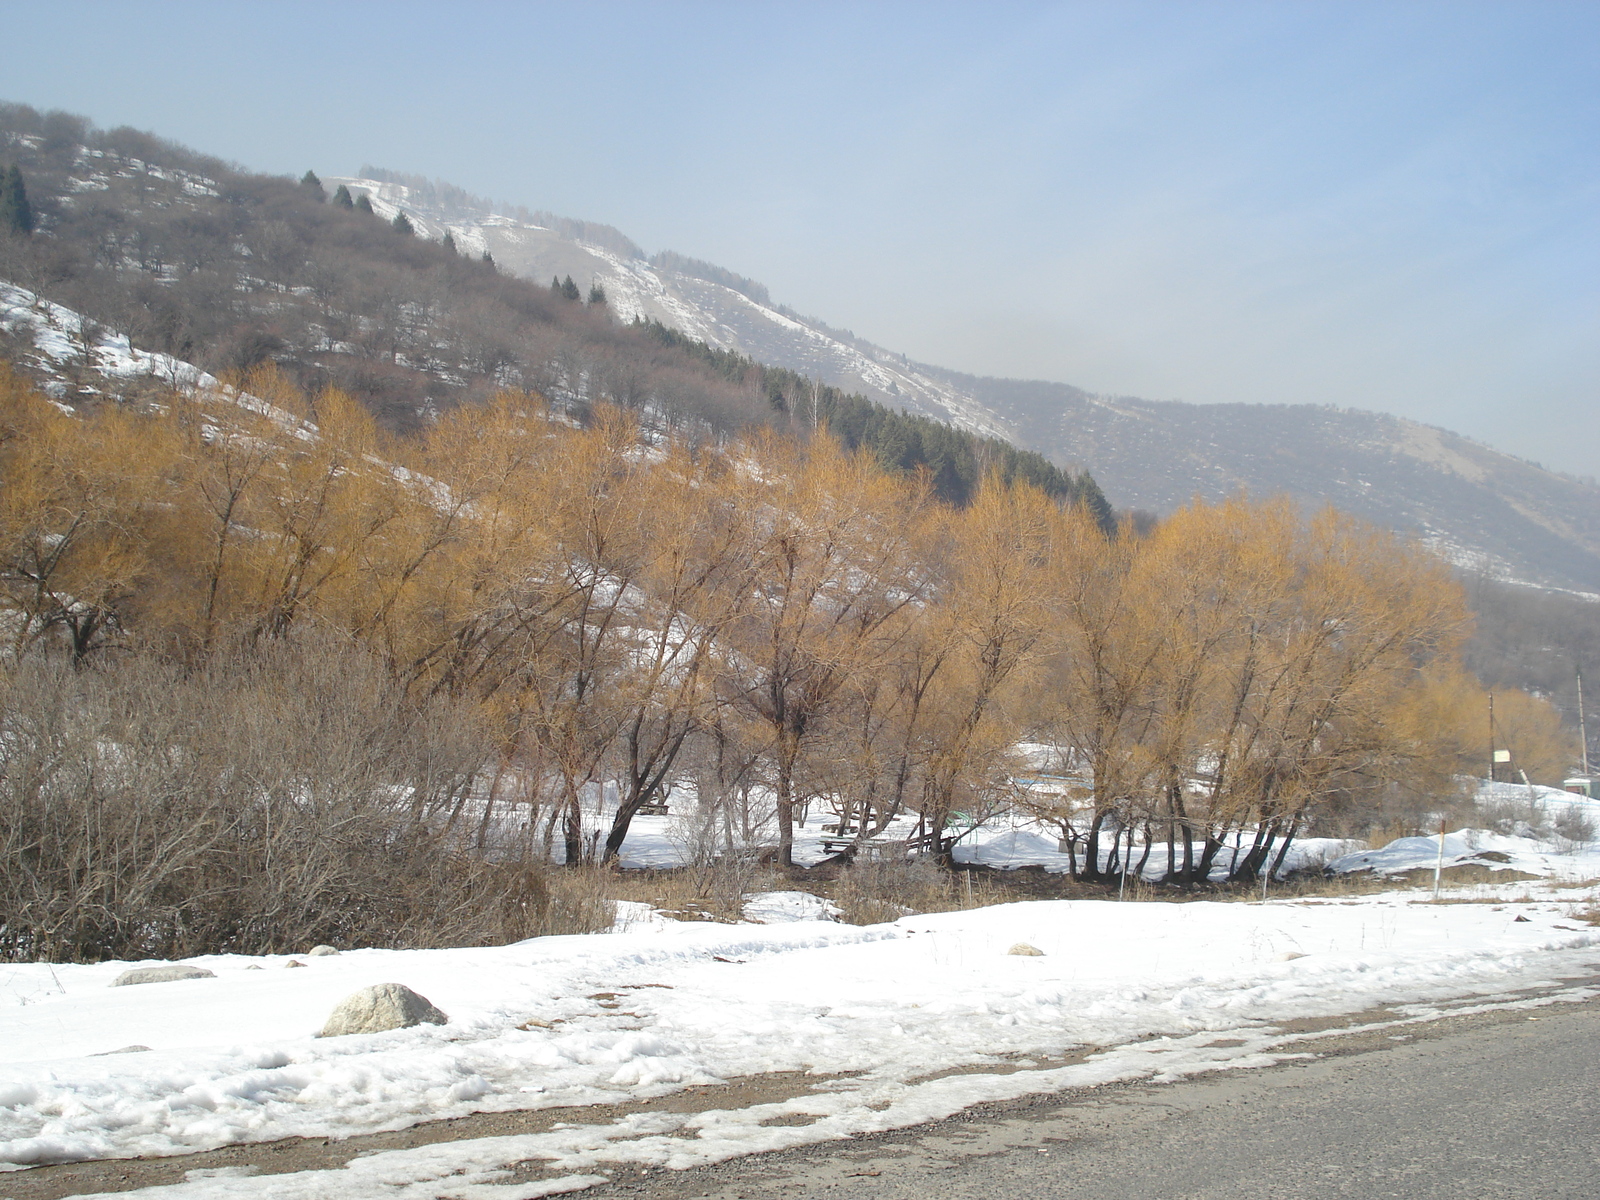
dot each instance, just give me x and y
(657, 1005)
(1475, 848)
(1536, 847)
(1005, 841)
(899, 1023)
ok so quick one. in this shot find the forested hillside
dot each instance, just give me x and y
(227, 269)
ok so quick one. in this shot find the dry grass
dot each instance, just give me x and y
(713, 891)
(868, 893)
(553, 900)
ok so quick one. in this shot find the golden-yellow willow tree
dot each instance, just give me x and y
(1235, 668)
(988, 626)
(1368, 613)
(1207, 583)
(78, 514)
(1097, 707)
(692, 578)
(834, 563)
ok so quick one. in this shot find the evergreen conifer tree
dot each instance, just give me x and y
(555, 284)
(448, 242)
(488, 260)
(16, 214)
(312, 184)
(597, 294)
(341, 197)
(364, 205)
(569, 290)
(402, 224)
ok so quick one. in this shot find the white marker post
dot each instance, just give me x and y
(1438, 867)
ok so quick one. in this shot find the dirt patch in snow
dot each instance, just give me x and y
(323, 1154)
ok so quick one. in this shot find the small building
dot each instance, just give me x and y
(1584, 785)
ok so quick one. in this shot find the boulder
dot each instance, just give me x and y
(160, 975)
(320, 951)
(379, 1007)
(1025, 949)
(293, 962)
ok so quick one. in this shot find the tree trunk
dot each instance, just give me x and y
(572, 827)
(1091, 849)
(1283, 849)
(787, 754)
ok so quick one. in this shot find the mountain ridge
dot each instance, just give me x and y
(1481, 508)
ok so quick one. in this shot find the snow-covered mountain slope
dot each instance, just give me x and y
(1481, 509)
(679, 293)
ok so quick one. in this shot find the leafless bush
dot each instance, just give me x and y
(1572, 826)
(719, 869)
(1519, 816)
(278, 798)
(541, 900)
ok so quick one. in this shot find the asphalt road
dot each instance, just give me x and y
(1503, 1105)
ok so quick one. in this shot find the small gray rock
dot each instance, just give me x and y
(161, 975)
(320, 951)
(1024, 949)
(122, 1050)
(379, 1007)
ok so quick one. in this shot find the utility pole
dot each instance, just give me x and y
(1491, 738)
(1583, 730)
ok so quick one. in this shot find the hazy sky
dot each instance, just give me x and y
(1386, 205)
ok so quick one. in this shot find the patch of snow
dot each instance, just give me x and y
(778, 908)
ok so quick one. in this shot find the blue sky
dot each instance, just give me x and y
(1388, 206)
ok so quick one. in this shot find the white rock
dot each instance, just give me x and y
(1025, 949)
(161, 975)
(379, 1007)
(320, 951)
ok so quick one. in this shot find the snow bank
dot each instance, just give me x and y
(1473, 847)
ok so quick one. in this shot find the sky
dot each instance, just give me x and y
(1389, 206)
